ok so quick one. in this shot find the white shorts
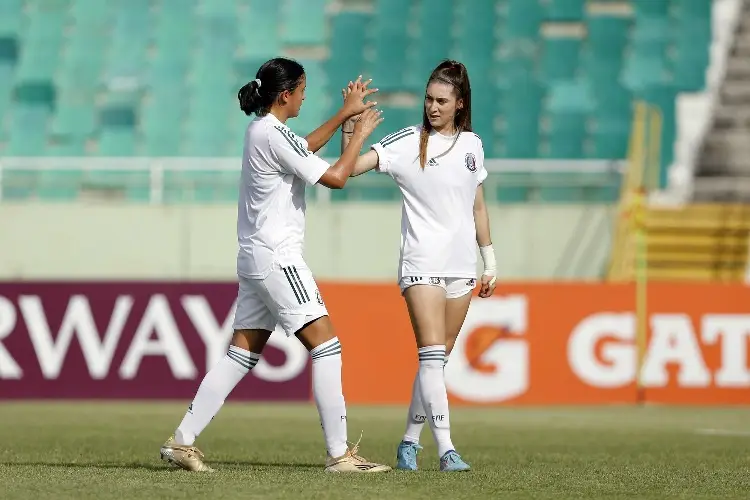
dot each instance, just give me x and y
(454, 287)
(287, 297)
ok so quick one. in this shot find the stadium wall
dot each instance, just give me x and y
(345, 241)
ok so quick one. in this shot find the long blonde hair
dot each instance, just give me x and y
(453, 73)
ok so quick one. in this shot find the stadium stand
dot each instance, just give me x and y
(723, 166)
(158, 78)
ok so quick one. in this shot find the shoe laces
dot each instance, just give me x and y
(353, 451)
(192, 451)
(413, 446)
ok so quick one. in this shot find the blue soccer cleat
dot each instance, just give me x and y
(452, 462)
(406, 455)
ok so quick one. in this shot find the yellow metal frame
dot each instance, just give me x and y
(630, 248)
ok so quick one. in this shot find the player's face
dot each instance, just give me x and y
(440, 105)
(296, 98)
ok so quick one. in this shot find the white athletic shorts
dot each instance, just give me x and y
(454, 287)
(287, 297)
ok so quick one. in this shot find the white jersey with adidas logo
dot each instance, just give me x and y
(271, 209)
(438, 234)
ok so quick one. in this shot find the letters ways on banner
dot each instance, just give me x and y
(122, 340)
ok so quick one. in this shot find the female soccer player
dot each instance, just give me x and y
(276, 287)
(439, 168)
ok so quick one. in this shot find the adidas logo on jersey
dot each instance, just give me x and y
(432, 163)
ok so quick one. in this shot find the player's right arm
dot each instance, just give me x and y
(295, 158)
(337, 175)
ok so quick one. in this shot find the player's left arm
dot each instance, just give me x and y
(484, 238)
(354, 104)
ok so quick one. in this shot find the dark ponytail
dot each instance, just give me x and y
(249, 97)
(274, 77)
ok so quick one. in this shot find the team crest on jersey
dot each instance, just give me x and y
(471, 162)
(319, 297)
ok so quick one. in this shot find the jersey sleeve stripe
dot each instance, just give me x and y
(295, 145)
(390, 136)
(396, 138)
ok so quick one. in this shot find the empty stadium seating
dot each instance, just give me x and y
(551, 79)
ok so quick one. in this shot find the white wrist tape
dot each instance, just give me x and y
(490, 264)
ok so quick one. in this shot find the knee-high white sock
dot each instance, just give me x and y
(435, 395)
(329, 395)
(417, 415)
(214, 389)
(416, 418)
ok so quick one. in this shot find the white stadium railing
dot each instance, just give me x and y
(152, 173)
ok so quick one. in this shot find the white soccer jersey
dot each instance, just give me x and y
(271, 210)
(438, 234)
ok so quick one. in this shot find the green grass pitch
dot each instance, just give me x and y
(111, 450)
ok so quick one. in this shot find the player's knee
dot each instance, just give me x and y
(251, 340)
(316, 332)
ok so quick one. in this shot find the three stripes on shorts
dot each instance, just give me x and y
(292, 276)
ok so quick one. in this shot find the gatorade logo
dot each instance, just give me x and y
(490, 361)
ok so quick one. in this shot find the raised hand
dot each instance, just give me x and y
(354, 98)
(367, 122)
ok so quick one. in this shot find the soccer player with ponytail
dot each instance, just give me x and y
(439, 168)
(276, 287)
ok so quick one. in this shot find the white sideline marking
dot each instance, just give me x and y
(722, 432)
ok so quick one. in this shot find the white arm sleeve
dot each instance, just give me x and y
(294, 156)
(391, 147)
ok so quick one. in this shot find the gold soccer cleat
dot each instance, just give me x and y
(351, 462)
(186, 457)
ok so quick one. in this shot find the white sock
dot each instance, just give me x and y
(214, 389)
(417, 416)
(434, 395)
(329, 395)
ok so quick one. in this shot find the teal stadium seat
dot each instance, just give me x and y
(305, 22)
(523, 19)
(560, 58)
(260, 36)
(612, 116)
(566, 10)
(160, 78)
(390, 43)
(476, 41)
(347, 56)
(11, 17)
(604, 48)
(27, 128)
(429, 50)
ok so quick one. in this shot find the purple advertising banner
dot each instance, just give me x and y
(132, 340)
